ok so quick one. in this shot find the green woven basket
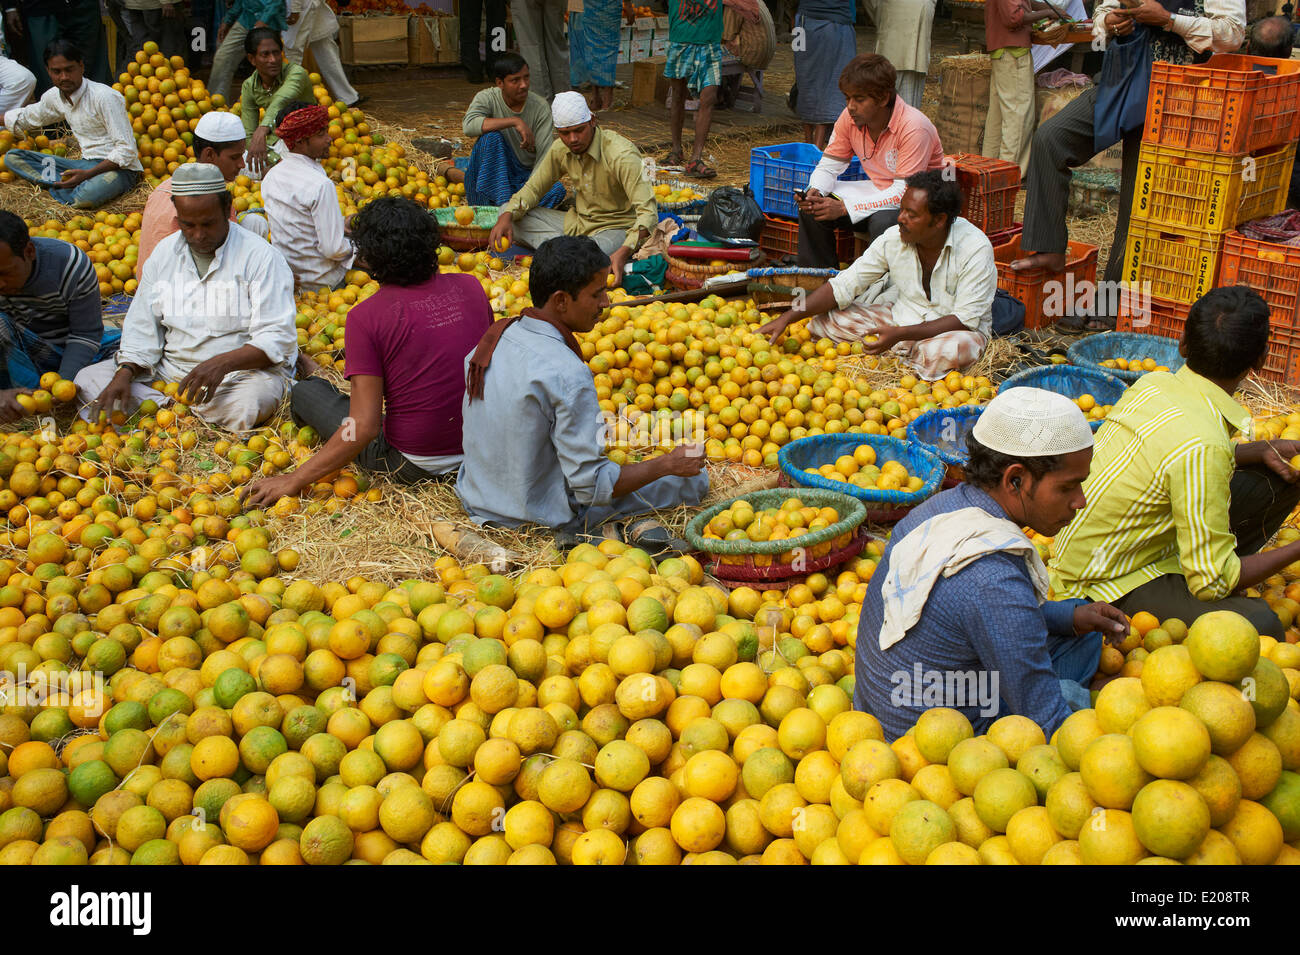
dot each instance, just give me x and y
(852, 513)
(466, 237)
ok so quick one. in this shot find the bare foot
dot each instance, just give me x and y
(1051, 261)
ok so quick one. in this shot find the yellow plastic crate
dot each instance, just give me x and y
(1182, 189)
(1179, 264)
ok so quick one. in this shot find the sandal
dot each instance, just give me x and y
(674, 158)
(696, 169)
(653, 538)
(1078, 324)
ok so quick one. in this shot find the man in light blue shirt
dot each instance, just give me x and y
(533, 430)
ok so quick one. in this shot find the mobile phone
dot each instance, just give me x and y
(801, 194)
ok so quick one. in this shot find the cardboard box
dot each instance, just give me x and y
(433, 40)
(640, 49)
(662, 24)
(659, 46)
(625, 52)
(625, 34)
(369, 41)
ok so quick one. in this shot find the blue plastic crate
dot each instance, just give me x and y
(1073, 381)
(775, 172)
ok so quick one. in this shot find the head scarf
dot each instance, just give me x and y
(302, 124)
(478, 365)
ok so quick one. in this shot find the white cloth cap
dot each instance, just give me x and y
(569, 109)
(218, 127)
(1032, 423)
(197, 179)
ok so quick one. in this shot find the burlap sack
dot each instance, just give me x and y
(963, 101)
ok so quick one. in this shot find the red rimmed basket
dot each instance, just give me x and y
(745, 566)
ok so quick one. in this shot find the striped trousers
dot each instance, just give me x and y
(1061, 144)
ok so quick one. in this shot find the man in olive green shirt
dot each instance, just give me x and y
(613, 202)
(1177, 512)
(272, 85)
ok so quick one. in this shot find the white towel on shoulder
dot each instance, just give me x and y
(941, 546)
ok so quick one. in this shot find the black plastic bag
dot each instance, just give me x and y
(731, 216)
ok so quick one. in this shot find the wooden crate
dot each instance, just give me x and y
(433, 40)
(373, 41)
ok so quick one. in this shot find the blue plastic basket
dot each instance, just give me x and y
(775, 172)
(115, 307)
(942, 432)
(825, 448)
(1073, 381)
(1092, 350)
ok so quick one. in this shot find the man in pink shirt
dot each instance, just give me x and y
(219, 140)
(891, 140)
(406, 350)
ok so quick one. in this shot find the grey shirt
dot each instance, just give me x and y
(490, 104)
(534, 442)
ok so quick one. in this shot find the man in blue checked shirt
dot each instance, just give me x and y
(957, 613)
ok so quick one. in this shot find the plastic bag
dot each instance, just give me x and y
(731, 216)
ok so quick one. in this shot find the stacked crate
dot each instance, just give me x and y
(1217, 150)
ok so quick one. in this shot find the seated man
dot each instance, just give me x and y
(613, 202)
(533, 425)
(214, 312)
(891, 139)
(513, 126)
(272, 86)
(218, 140)
(302, 202)
(96, 114)
(956, 613)
(50, 317)
(1177, 512)
(406, 351)
(939, 270)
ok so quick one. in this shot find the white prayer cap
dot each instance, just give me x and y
(218, 127)
(197, 179)
(569, 109)
(1032, 423)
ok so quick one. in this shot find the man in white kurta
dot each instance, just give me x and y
(214, 312)
(924, 289)
(903, 38)
(302, 202)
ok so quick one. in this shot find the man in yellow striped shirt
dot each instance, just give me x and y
(1176, 511)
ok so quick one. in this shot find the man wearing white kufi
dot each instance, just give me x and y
(957, 614)
(219, 140)
(613, 203)
(214, 313)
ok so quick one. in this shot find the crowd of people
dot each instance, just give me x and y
(1163, 513)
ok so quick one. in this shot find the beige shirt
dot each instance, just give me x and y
(903, 32)
(610, 188)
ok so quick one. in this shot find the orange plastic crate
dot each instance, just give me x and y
(1175, 264)
(1031, 287)
(1183, 189)
(1169, 319)
(989, 188)
(780, 237)
(1230, 104)
(1155, 316)
(1271, 269)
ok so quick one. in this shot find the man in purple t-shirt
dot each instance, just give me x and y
(405, 349)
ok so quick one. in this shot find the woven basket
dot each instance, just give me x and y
(943, 431)
(1091, 351)
(753, 44)
(468, 238)
(883, 506)
(1051, 34)
(1073, 381)
(742, 554)
(780, 576)
(693, 273)
(778, 284)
